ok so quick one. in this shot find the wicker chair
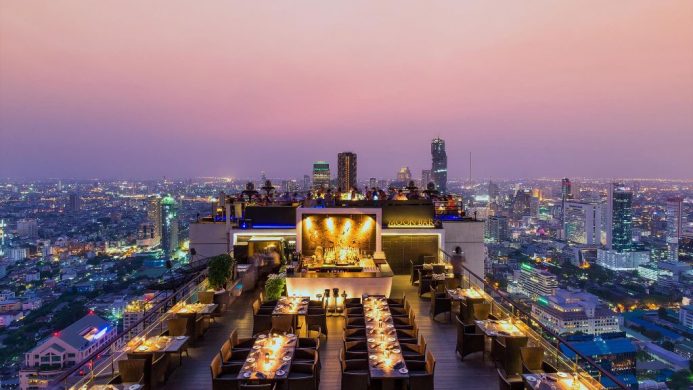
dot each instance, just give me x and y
(355, 373)
(232, 357)
(421, 374)
(471, 341)
(238, 344)
(352, 302)
(414, 272)
(261, 323)
(355, 334)
(282, 323)
(159, 370)
(440, 303)
(509, 383)
(224, 377)
(481, 311)
(205, 297)
(357, 322)
(511, 359)
(533, 361)
(308, 342)
(130, 371)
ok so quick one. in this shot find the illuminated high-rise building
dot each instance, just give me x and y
(582, 222)
(74, 203)
(372, 182)
(566, 189)
(619, 218)
(439, 167)
(27, 228)
(493, 191)
(425, 177)
(306, 182)
(2, 236)
(154, 217)
(321, 174)
(497, 228)
(521, 204)
(404, 175)
(566, 193)
(674, 226)
(169, 225)
(346, 170)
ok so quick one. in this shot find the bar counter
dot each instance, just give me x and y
(355, 284)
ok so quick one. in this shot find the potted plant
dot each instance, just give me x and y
(219, 271)
(274, 286)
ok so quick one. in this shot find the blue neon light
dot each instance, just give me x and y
(273, 226)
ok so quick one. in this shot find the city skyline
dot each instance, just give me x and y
(531, 91)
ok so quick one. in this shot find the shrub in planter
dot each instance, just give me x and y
(219, 271)
(274, 286)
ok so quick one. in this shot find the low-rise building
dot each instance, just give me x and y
(534, 282)
(621, 261)
(615, 353)
(64, 349)
(569, 312)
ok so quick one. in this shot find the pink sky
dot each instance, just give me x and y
(180, 88)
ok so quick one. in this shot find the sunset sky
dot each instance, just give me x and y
(120, 89)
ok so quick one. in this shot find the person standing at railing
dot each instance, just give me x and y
(456, 261)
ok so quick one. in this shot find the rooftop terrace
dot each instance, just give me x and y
(450, 371)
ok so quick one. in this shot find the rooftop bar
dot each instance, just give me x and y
(340, 251)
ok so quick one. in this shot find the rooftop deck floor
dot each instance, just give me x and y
(450, 372)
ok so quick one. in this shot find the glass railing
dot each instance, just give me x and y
(101, 366)
(502, 306)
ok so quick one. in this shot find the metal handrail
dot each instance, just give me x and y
(59, 382)
(516, 307)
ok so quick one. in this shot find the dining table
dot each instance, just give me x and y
(386, 361)
(495, 328)
(270, 357)
(158, 344)
(117, 386)
(554, 381)
(291, 306)
(461, 294)
(194, 308)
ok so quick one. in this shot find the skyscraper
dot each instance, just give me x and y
(169, 225)
(154, 217)
(2, 236)
(521, 204)
(27, 228)
(566, 193)
(346, 170)
(404, 175)
(372, 182)
(321, 174)
(493, 190)
(75, 203)
(582, 222)
(673, 214)
(619, 221)
(566, 189)
(425, 177)
(306, 182)
(439, 168)
(497, 229)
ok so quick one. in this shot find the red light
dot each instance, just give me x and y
(56, 333)
(90, 312)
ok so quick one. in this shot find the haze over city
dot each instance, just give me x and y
(181, 89)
